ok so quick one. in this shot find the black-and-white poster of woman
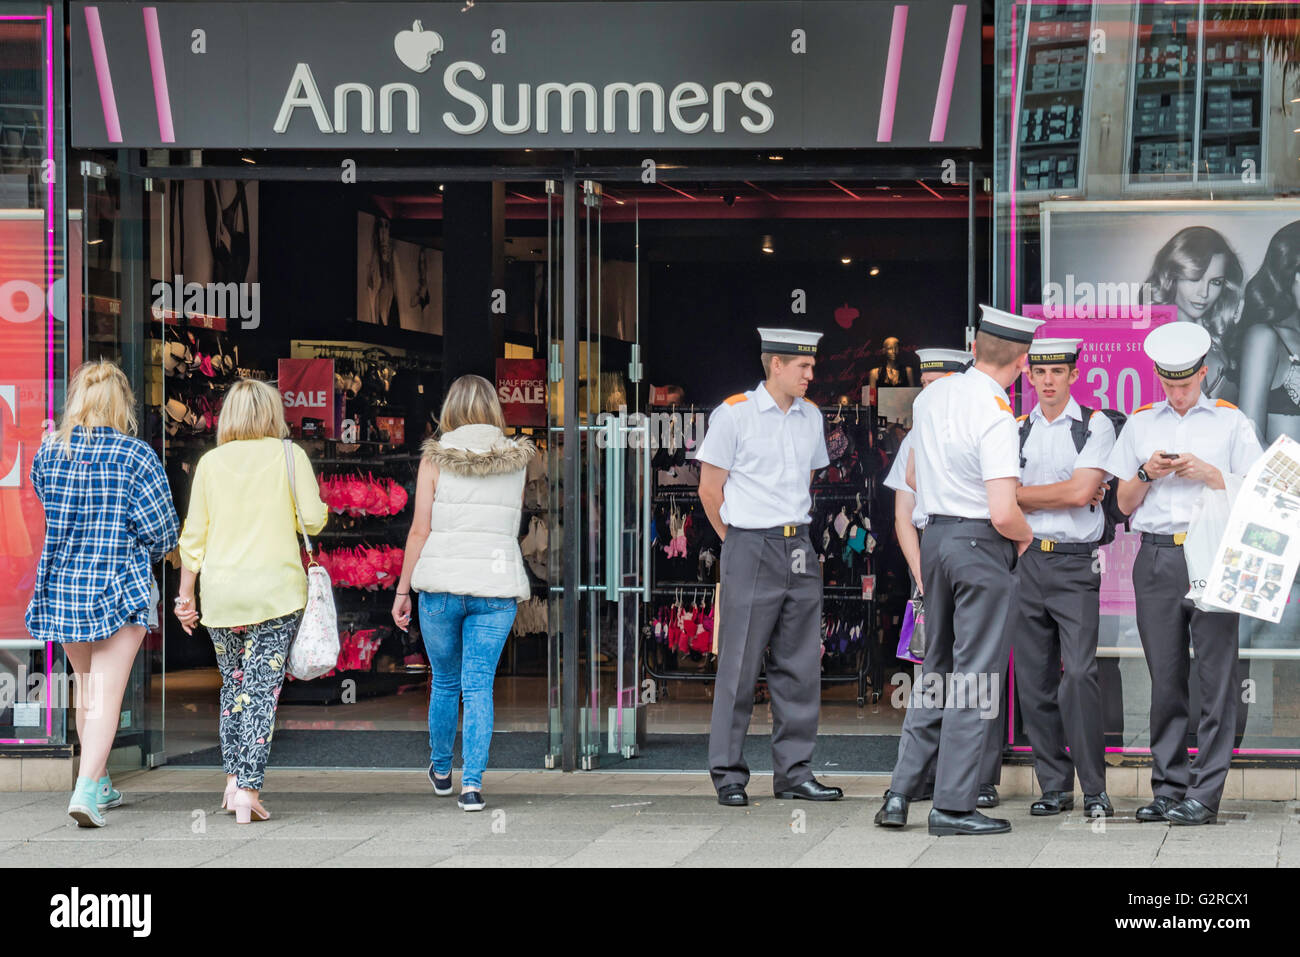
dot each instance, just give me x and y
(1232, 267)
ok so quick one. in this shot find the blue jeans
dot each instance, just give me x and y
(464, 636)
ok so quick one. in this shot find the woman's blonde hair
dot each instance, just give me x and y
(252, 410)
(99, 394)
(471, 400)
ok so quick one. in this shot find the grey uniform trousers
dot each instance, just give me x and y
(771, 597)
(1054, 624)
(1165, 619)
(969, 589)
(991, 762)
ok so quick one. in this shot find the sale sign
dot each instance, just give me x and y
(521, 387)
(1114, 373)
(307, 387)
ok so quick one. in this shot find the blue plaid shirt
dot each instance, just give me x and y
(108, 516)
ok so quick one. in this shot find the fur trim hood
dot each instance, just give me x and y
(478, 451)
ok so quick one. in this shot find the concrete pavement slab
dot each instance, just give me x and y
(270, 853)
(57, 853)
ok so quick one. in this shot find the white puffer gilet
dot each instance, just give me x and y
(473, 544)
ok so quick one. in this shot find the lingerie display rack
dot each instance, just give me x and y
(365, 621)
(683, 606)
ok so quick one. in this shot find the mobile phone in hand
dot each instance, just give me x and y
(1170, 455)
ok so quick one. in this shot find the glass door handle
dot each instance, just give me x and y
(617, 435)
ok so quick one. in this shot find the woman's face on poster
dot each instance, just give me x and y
(1195, 297)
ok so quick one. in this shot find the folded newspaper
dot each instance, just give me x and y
(1260, 550)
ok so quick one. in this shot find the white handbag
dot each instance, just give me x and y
(315, 649)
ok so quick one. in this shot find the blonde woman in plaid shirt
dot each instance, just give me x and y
(108, 517)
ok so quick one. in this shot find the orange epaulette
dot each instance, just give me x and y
(1143, 408)
(1021, 418)
(1224, 404)
(737, 398)
(1002, 404)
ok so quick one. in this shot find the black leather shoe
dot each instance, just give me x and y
(988, 796)
(1191, 811)
(950, 823)
(810, 790)
(1052, 802)
(733, 795)
(1098, 805)
(1155, 811)
(893, 813)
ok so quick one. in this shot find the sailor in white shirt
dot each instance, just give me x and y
(758, 457)
(908, 517)
(909, 521)
(966, 468)
(1166, 455)
(1055, 621)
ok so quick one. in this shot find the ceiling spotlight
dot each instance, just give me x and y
(873, 271)
(440, 187)
(846, 259)
(776, 159)
(767, 245)
(248, 160)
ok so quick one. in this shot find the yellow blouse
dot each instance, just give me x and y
(241, 534)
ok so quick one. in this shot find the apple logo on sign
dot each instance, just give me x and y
(415, 47)
(845, 315)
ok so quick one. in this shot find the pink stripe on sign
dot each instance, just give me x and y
(100, 54)
(948, 75)
(893, 66)
(166, 132)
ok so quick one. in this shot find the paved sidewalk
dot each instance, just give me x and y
(542, 819)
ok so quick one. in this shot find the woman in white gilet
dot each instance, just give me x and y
(462, 556)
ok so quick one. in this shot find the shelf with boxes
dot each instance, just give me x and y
(1052, 110)
(1198, 99)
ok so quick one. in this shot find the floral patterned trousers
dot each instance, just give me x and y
(252, 661)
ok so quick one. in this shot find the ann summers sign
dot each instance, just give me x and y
(498, 75)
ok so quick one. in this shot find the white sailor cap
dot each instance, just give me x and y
(943, 360)
(1177, 348)
(1054, 351)
(1007, 325)
(789, 342)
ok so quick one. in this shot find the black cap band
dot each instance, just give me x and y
(1181, 374)
(942, 365)
(1002, 332)
(1053, 358)
(788, 349)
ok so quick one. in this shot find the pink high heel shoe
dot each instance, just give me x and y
(228, 798)
(247, 808)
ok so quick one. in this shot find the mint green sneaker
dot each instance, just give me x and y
(84, 806)
(107, 796)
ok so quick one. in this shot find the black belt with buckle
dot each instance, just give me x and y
(776, 531)
(1164, 541)
(956, 519)
(1063, 548)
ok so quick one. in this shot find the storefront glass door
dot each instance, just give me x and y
(115, 317)
(599, 461)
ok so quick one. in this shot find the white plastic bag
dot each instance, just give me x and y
(315, 649)
(1204, 532)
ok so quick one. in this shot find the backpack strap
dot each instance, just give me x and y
(1025, 424)
(1081, 429)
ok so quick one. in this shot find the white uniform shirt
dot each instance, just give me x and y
(768, 455)
(897, 479)
(1050, 457)
(965, 435)
(1216, 432)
